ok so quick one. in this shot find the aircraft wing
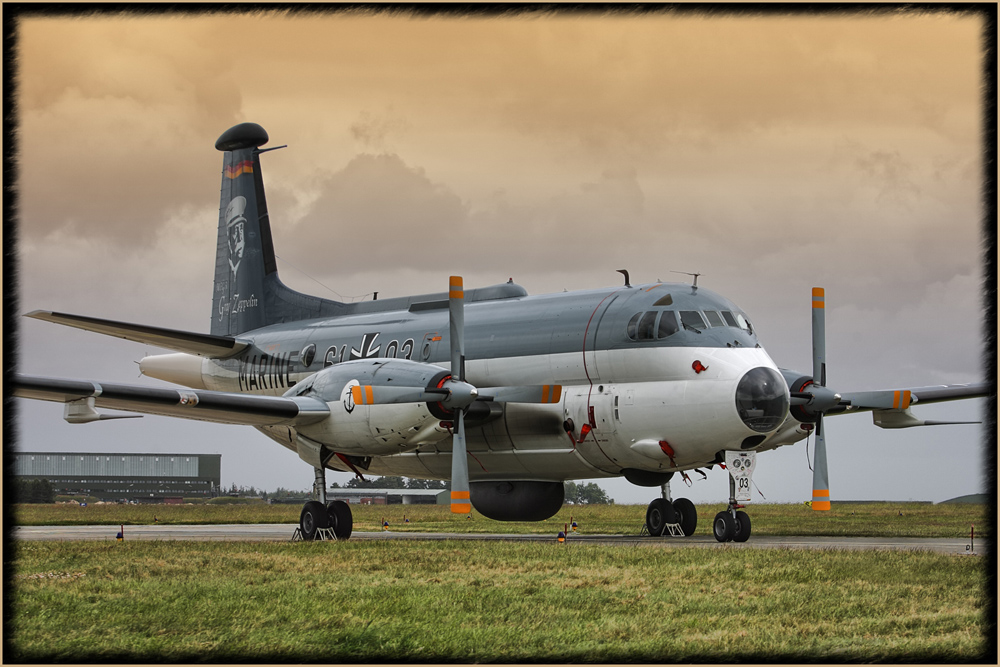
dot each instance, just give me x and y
(82, 397)
(182, 341)
(900, 399)
(891, 407)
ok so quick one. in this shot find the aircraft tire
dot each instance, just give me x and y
(313, 517)
(687, 515)
(341, 519)
(658, 515)
(724, 527)
(742, 527)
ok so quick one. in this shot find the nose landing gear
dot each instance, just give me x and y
(733, 524)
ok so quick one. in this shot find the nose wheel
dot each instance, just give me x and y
(733, 524)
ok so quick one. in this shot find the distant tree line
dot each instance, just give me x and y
(576, 494)
(586, 494)
(34, 490)
(395, 483)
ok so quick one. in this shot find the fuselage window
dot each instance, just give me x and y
(693, 319)
(714, 319)
(632, 325)
(730, 320)
(308, 353)
(647, 326)
(668, 324)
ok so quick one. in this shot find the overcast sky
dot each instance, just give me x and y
(769, 153)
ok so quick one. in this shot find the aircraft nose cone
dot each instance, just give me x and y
(762, 399)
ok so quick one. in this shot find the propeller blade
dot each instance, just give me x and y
(460, 502)
(827, 399)
(367, 394)
(456, 325)
(544, 393)
(821, 477)
(819, 335)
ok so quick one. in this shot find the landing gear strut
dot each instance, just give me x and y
(732, 524)
(319, 519)
(671, 517)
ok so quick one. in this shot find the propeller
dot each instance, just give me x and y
(460, 500)
(823, 398)
(456, 395)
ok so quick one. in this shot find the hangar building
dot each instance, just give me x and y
(113, 477)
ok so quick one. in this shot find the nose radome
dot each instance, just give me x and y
(762, 399)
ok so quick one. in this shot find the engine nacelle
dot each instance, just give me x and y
(517, 501)
(372, 430)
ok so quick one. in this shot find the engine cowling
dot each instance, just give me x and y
(372, 430)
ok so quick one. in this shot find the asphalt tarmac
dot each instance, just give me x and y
(284, 532)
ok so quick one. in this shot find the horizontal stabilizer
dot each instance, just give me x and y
(172, 339)
(201, 405)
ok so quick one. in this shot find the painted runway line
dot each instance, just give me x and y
(283, 532)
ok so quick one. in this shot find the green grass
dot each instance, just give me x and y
(869, 519)
(488, 602)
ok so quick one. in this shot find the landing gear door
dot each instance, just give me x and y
(740, 466)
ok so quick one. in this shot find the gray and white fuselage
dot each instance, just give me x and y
(643, 365)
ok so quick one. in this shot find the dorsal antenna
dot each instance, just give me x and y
(624, 272)
(695, 285)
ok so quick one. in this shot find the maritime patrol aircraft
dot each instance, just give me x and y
(504, 393)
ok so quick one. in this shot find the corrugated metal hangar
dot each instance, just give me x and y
(113, 477)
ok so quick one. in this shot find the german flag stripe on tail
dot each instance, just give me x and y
(245, 167)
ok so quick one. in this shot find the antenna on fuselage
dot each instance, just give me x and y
(695, 285)
(624, 272)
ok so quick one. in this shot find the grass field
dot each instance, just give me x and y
(488, 602)
(869, 519)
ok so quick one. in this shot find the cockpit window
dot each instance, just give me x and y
(632, 326)
(691, 319)
(714, 319)
(668, 324)
(646, 329)
(744, 323)
(730, 320)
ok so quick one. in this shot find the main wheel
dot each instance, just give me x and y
(724, 526)
(742, 527)
(341, 520)
(658, 515)
(313, 517)
(687, 515)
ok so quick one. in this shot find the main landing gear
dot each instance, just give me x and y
(676, 518)
(733, 524)
(321, 520)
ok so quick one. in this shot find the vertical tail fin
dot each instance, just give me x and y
(248, 294)
(245, 253)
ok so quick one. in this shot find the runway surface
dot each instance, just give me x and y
(284, 532)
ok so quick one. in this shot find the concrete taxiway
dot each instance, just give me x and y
(284, 532)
